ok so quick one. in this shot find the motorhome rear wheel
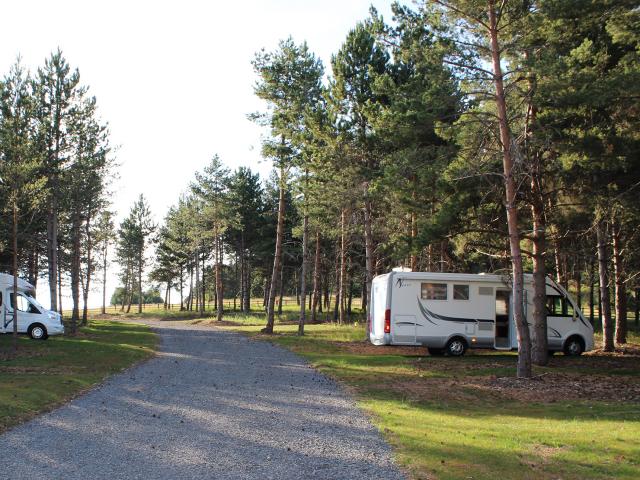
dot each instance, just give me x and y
(456, 347)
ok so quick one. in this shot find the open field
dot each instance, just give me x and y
(48, 373)
(452, 418)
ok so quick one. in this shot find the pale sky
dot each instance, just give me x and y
(173, 79)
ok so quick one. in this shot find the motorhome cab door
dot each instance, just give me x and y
(27, 313)
(502, 331)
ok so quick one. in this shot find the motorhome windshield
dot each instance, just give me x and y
(33, 300)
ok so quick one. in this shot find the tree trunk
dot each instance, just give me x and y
(413, 261)
(368, 243)
(592, 297)
(87, 284)
(104, 276)
(620, 290)
(140, 255)
(59, 284)
(219, 285)
(181, 288)
(14, 304)
(303, 275)
(343, 266)
(281, 293)
(524, 342)
(75, 272)
(316, 280)
(637, 298)
(605, 309)
(277, 258)
(202, 289)
(52, 251)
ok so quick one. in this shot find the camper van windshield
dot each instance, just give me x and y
(33, 300)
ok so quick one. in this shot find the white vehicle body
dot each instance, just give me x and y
(33, 318)
(431, 309)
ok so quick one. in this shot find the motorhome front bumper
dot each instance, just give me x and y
(55, 330)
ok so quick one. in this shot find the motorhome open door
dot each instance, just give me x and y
(502, 331)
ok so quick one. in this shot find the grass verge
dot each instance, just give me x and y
(47, 373)
(470, 418)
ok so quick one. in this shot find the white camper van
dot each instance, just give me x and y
(450, 312)
(33, 318)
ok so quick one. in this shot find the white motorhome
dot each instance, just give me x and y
(33, 318)
(450, 312)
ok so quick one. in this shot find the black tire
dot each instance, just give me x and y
(574, 346)
(435, 352)
(456, 347)
(37, 331)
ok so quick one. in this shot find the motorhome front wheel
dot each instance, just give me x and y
(574, 346)
(37, 332)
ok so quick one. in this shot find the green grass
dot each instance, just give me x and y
(444, 425)
(48, 373)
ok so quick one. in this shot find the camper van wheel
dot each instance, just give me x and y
(435, 352)
(574, 346)
(456, 347)
(38, 332)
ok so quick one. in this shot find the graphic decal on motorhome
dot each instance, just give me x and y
(431, 316)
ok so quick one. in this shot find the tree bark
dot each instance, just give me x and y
(303, 275)
(316, 280)
(219, 284)
(281, 291)
(14, 240)
(52, 251)
(343, 266)
(592, 297)
(524, 341)
(277, 258)
(140, 255)
(603, 270)
(75, 272)
(368, 243)
(104, 276)
(85, 292)
(620, 290)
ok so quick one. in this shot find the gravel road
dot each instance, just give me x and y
(213, 404)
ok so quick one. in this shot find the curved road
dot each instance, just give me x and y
(212, 404)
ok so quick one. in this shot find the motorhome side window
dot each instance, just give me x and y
(461, 292)
(559, 306)
(24, 305)
(433, 291)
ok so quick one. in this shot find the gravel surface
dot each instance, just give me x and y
(212, 404)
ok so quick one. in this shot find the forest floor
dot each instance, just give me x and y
(470, 417)
(45, 374)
